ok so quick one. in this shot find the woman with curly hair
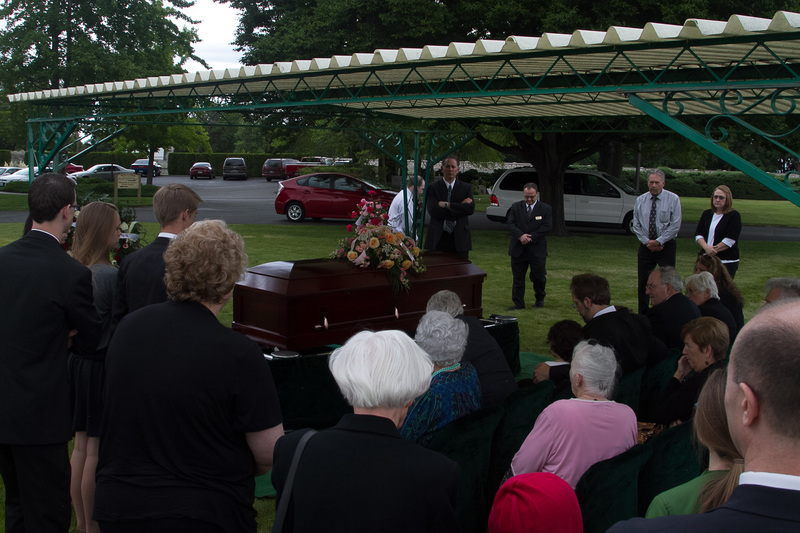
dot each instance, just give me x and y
(191, 414)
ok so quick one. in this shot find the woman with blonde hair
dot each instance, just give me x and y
(96, 233)
(718, 230)
(714, 486)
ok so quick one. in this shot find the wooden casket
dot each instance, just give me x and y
(301, 305)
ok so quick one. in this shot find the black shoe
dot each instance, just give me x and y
(516, 307)
(539, 304)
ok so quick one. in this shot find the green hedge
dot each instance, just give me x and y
(5, 157)
(702, 184)
(181, 162)
(90, 159)
(89, 188)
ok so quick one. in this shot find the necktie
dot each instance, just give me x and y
(449, 225)
(652, 228)
(530, 210)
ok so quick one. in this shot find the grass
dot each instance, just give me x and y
(19, 202)
(611, 256)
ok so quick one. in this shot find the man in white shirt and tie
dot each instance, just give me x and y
(529, 221)
(404, 208)
(656, 222)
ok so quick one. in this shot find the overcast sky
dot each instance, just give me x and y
(216, 28)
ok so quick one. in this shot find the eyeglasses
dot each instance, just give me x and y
(75, 206)
(650, 286)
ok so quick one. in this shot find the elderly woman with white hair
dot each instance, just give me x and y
(702, 289)
(361, 475)
(572, 435)
(455, 390)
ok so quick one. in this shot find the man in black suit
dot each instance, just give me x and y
(48, 300)
(140, 280)
(450, 204)
(761, 402)
(529, 221)
(671, 309)
(628, 333)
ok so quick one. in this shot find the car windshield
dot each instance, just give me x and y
(624, 186)
(371, 185)
(140, 162)
(203, 165)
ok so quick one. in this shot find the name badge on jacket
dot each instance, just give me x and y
(538, 217)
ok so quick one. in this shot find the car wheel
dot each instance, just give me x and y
(268, 179)
(627, 223)
(295, 212)
(224, 178)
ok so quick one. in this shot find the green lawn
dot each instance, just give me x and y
(611, 256)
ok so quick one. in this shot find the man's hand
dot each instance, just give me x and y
(654, 246)
(525, 238)
(541, 373)
(466, 201)
(443, 204)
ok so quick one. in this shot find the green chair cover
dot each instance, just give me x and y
(654, 380)
(608, 491)
(673, 463)
(521, 408)
(628, 389)
(468, 441)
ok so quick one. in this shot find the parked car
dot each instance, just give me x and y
(590, 198)
(105, 171)
(20, 175)
(276, 168)
(318, 159)
(9, 170)
(71, 168)
(140, 167)
(202, 170)
(324, 195)
(234, 168)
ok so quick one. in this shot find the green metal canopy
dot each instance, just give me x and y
(727, 71)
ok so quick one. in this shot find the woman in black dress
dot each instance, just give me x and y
(96, 233)
(718, 231)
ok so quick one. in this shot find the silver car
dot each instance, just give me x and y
(591, 198)
(105, 171)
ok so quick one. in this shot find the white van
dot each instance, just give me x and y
(591, 198)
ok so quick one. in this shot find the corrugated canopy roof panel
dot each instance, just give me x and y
(587, 73)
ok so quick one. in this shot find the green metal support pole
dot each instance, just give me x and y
(724, 154)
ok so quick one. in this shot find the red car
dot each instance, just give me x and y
(324, 195)
(202, 170)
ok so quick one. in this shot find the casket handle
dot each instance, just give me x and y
(396, 314)
(324, 325)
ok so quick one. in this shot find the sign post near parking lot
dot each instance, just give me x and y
(128, 181)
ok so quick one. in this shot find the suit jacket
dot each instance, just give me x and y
(668, 318)
(538, 226)
(140, 280)
(750, 508)
(714, 308)
(362, 476)
(458, 211)
(46, 293)
(729, 227)
(496, 379)
(629, 334)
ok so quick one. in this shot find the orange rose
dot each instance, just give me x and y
(416, 251)
(387, 264)
(406, 265)
(374, 242)
(351, 255)
(390, 238)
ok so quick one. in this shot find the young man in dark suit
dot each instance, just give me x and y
(529, 221)
(49, 310)
(762, 403)
(450, 204)
(140, 280)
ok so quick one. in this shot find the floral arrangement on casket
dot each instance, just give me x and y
(376, 246)
(132, 236)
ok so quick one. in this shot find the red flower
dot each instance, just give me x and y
(375, 221)
(370, 209)
(353, 214)
(372, 193)
(349, 227)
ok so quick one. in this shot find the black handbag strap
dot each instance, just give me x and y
(283, 505)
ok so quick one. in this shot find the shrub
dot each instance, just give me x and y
(16, 186)
(702, 184)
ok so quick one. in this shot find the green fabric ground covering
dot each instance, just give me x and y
(264, 488)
